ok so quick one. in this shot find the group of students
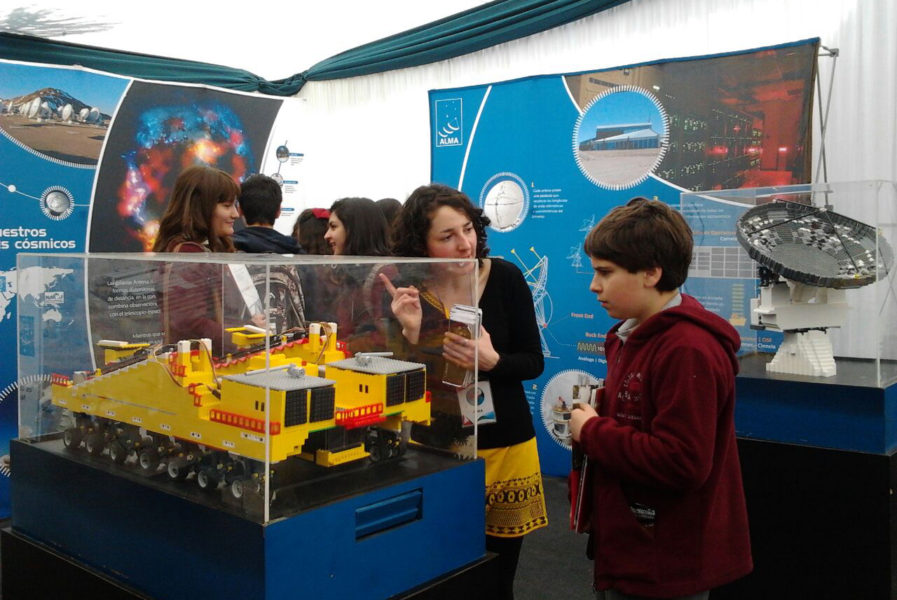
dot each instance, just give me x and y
(668, 517)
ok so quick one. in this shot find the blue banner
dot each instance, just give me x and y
(547, 157)
(87, 162)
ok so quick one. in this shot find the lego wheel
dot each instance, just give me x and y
(241, 488)
(237, 488)
(148, 459)
(71, 438)
(117, 452)
(377, 452)
(207, 479)
(178, 469)
(94, 444)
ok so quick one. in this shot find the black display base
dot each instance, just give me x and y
(32, 571)
(823, 523)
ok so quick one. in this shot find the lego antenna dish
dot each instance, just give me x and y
(813, 245)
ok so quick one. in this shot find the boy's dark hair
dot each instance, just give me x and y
(643, 234)
(412, 224)
(260, 199)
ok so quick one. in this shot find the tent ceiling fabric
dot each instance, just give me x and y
(459, 34)
(465, 32)
(271, 39)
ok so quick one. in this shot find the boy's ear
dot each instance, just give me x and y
(652, 276)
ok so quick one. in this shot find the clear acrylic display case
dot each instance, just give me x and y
(261, 385)
(856, 315)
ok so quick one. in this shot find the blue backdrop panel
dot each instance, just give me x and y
(547, 157)
(87, 161)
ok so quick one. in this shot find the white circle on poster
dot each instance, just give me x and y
(558, 397)
(57, 203)
(505, 200)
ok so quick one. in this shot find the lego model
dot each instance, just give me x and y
(174, 406)
(808, 257)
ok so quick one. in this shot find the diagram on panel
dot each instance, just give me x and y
(537, 278)
(576, 253)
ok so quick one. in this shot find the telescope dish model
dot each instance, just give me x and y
(33, 108)
(809, 256)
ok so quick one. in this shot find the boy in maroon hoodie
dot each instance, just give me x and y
(668, 517)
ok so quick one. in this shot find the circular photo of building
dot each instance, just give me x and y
(560, 393)
(621, 137)
(505, 200)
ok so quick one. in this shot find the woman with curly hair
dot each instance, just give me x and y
(440, 222)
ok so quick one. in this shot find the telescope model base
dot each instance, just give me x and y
(804, 353)
(803, 313)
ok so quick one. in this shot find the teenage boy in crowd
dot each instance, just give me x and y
(259, 203)
(668, 517)
(260, 199)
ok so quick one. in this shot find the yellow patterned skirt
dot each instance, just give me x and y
(515, 499)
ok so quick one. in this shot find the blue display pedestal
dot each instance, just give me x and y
(26, 564)
(819, 466)
(846, 412)
(424, 521)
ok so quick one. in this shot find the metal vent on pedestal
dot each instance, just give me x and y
(813, 245)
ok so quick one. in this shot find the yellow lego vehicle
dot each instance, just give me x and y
(173, 406)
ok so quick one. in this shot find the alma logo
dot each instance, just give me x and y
(449, 129)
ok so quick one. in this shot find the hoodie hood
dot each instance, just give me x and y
(265, 239)
(690, 310)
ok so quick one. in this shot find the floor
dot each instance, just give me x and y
(553, 563)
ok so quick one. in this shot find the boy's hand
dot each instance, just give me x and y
(578, 416)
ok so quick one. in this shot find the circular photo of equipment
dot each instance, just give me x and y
(562, 391)
(57, 203)
(505, 200)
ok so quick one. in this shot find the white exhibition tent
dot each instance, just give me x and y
(385, 115)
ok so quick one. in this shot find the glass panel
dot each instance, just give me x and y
(239, 381)
(805, 273)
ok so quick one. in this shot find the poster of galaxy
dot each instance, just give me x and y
(547, 157)
(159, 131)
(87, 161)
